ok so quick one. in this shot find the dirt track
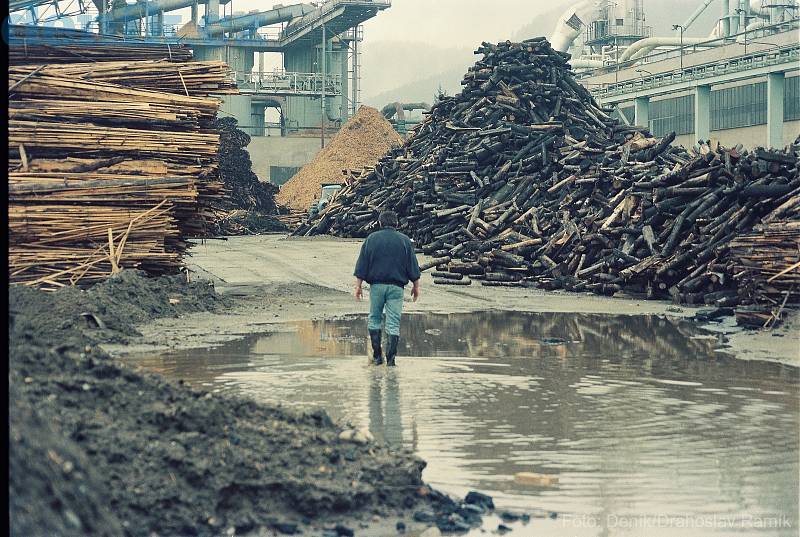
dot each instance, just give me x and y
(273, 279)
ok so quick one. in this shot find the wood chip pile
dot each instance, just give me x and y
(110, 166)
(360, 142)
(522, 179)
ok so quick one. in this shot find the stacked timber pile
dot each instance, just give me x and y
(360, 142)
(766, 266)
(186, 77)
(522, 178)
(105, 175)
(28, 44)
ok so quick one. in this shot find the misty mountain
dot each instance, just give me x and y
(410, 68)
(421, 90)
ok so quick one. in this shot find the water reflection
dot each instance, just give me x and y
(385, 414)
(638, 416)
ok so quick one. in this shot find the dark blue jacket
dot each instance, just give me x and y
(387, 256)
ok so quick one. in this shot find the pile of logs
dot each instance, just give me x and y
(766, 265)
(249, 207)
(104, 171)
(523, 179)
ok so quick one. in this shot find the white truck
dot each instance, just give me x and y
(327, 193)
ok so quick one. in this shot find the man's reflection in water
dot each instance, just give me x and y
(385, 418)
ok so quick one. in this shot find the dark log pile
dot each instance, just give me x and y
(250, 206)
(523, 179)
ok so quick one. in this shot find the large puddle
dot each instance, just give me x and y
(648, 429)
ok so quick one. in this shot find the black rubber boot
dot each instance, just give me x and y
(377, 355)
(391, 351)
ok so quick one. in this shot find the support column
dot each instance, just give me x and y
(212, 11)
(324, 76)
(702, 113)
(641, 112)
(776, 86)
(194, 12)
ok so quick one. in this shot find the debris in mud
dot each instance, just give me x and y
(534, 479)
(166, 458)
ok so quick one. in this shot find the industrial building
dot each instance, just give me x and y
(313, 92)
(738, 85)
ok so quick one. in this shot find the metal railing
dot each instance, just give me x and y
(283, 82)
(326, 8)
(748, 62)
(602, 29)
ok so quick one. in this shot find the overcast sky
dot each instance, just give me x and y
(454, 22)
(441, 22)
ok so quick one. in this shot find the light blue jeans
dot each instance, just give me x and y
(388, 299)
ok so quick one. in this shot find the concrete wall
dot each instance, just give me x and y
(290, 151)
(749, 137)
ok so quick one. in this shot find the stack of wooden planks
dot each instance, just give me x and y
(112, 164)
(47, 45)
(186, 77)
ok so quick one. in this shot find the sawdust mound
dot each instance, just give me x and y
(365, 138)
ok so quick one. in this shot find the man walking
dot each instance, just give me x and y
(387, 263)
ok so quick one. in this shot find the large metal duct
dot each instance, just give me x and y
(645, 46)
(140, 10)
(570, 23)
(697, 12)
(397, 109)
(585, 63)
(257, 20)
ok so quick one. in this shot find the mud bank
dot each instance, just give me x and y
(97, 448)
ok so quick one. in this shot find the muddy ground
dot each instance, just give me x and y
(97, 448)
(272, 279)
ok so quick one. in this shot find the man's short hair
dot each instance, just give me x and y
(387, 219)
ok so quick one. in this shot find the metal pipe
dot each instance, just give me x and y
(644, 46)
(569, 24)
(585, 63)
(257, 20)
(726, 18)
(139, 9)
(697, 12)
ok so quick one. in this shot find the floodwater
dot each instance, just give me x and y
(649, 430)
